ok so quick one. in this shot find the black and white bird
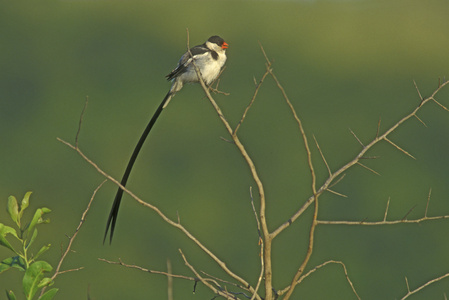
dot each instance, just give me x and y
(209, 57)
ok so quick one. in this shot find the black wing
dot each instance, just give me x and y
(185, 60)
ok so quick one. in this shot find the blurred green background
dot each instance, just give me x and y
(344, 64)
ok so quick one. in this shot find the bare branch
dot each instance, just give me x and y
(361, 154)
(266, 234)
(296, 278)
(168, 274)
(321, 266)
(162, 215)
(169, 280)
(72, 238)
(301, 128)
(377, 223)
(315, 195)
(206, 282)
(225, 281)
(259, 281)
(409, 292)
(258, 85)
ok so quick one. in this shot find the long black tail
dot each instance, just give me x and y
(118, 197)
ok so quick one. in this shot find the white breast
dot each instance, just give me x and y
(209, 68)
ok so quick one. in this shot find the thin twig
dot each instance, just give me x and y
(168, 274)
(252, 101)
(336, 174)
(255, 175)
(321, 266)
(310, 248)
(259, 281)
(384, 222)
(218, 291)
(169, 280)
(224, 281)
(72, 238)
(409, 292)
(175, 224)
(313, 185)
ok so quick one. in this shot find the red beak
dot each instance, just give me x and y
(224, 46)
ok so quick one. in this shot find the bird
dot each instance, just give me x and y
(209, 58)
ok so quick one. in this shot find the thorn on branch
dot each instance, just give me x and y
(368, 168)
(338, 180)
(399, 148)
(322, 156)
(336, 193)
(258, 85)
(363, 221)
(386, 210)
(378, 127)
(441, 105)
(370, 157)
(406, 215)
(422, 122)
(360, 142)
(419, 93)
(226, 140)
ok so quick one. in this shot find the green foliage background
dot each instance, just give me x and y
(343, 64)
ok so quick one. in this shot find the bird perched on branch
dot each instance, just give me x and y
(209, 58)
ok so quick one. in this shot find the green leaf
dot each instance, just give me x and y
(44, 282)
(33, 237)
(10, 295)
(42, 251)
(4, 230)
(37, 218)
(4, 267)
(46, 210)
(12, 262)
(13, 209)
(49, 294)
(25, 203)
(33, 277)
